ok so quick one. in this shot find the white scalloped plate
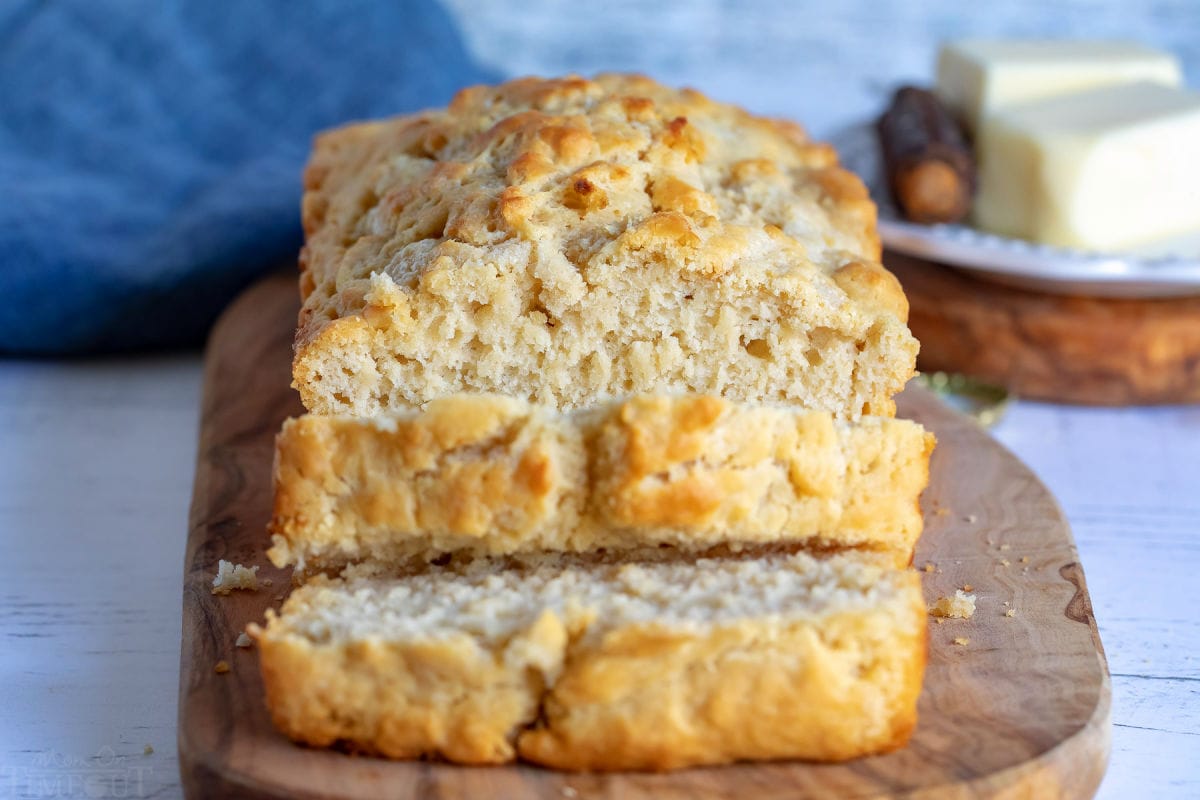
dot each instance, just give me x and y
(1171, 269)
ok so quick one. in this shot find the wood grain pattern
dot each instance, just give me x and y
(1021, 710)
(1090, 350)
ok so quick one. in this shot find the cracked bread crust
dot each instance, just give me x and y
(759, 658)
(571, 240)
(486, 475)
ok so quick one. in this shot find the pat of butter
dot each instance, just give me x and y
(1101, 170)
(977, 77)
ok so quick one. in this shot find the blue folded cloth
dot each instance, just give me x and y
(150, 152)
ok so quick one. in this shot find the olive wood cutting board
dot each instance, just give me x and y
(1019, 708)
(1089, 350)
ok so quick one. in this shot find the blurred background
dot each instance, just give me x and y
(150, 153)
(822, 63)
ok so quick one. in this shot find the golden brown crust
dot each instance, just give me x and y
(446, 697)
(470, 470)
(489, 475)
(841, 690)
(570, 240)
(570, 686)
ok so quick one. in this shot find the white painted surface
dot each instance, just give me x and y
(96, 458)
(96, 466)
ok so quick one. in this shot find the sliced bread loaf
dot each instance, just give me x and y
(489, 475)
(570, 240)
(599, 666)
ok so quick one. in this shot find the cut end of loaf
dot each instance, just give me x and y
(568, 241)
(669, 339)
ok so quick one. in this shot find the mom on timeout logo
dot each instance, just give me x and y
(51, 774)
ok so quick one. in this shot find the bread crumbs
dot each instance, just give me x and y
(232, 576)
(1012, 612)
(221, 667)
(961, 606)
(243, 640)
(962, 641)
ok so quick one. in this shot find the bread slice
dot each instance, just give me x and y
(603, 666)
(490, 475)
(567, 241)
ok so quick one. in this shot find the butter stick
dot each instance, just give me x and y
(1107, 169)
(979, 77)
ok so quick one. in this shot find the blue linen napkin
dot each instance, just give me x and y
(150, 151)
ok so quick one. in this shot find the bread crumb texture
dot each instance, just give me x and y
(232, 576)
(490, 475)
(593, 666)
(961, 606)
(569, 240)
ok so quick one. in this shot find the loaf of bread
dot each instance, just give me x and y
(490, 475)
(604, 666)
(601, 447)
(567, 241)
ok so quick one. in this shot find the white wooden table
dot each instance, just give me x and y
(96, 458)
